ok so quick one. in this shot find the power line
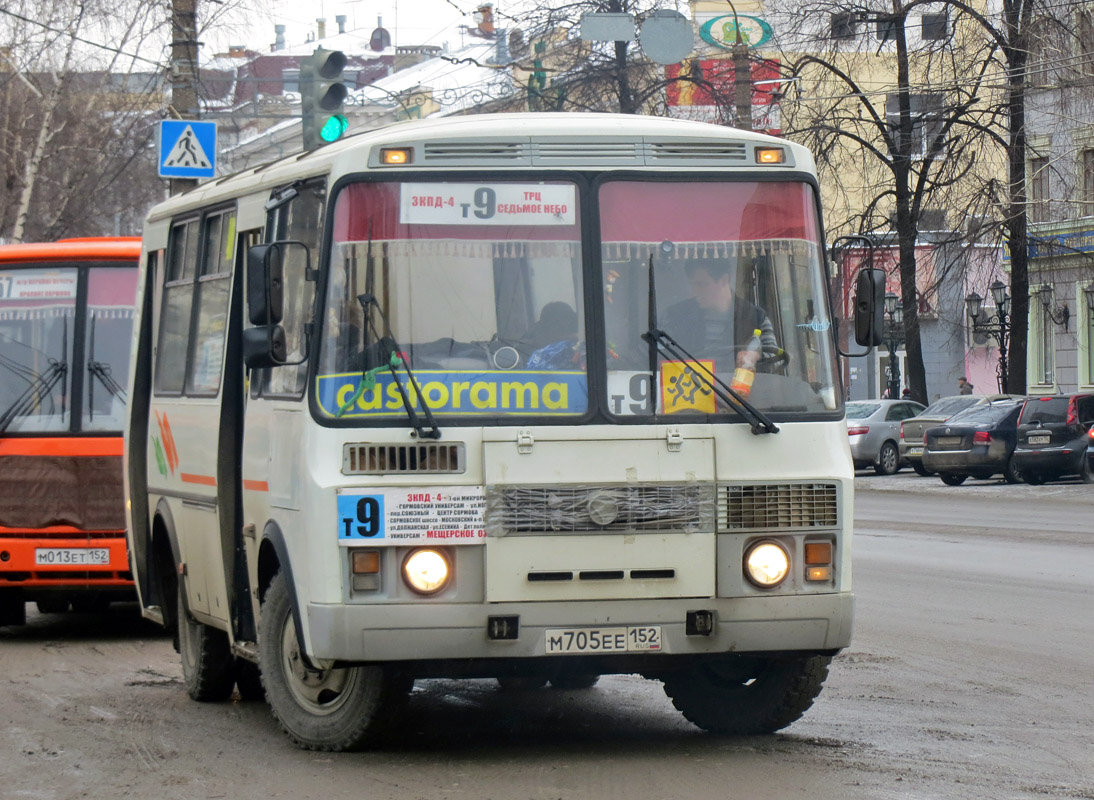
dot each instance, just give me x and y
(80, 39)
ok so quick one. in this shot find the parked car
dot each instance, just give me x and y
(977, 442)
(1056, 438)
(912, 430)
(873, 429)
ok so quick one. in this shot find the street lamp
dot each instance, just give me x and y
(994, 324)
(894, 334)
(742, 76)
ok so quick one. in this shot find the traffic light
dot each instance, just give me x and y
(322, 97)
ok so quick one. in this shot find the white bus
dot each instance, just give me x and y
(453, 399)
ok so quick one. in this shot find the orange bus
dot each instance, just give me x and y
(66, 325)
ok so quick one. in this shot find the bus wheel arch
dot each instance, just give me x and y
(165, 559)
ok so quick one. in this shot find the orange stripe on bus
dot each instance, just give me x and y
(256, 486)
(204, 480)
(62, 446)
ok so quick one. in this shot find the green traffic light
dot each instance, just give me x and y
(333, 128)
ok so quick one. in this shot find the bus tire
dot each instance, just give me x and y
(13, 608)
(248, 681)
(331, 709)
(521, 683)
(574, 680)
(749, 696)
(52, 605)
(207, 659)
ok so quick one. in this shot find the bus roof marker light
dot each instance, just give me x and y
(770, 155)
(396, 156)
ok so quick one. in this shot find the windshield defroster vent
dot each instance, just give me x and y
(778, 506)
(386, 459)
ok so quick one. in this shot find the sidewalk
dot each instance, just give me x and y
(1068, 490)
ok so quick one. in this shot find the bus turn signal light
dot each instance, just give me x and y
(396, 155)
(818, 573)
(818, 553)
(366, 562)
(770, 155)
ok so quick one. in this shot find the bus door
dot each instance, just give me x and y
(276, 408)
(187, 389)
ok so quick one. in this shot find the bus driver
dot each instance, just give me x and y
(716, 317)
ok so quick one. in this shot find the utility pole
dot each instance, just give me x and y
(184, 71)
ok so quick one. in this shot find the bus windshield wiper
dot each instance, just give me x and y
(101, 370)
(39, 390)
(385, 353)
(670, 348)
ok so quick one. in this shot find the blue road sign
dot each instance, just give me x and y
(188, 148)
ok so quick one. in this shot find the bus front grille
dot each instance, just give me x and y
(387, 459)
(568, 509)
(778, 506)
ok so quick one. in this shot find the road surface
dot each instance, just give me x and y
(971, 675)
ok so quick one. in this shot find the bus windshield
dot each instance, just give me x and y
(730, 261)
(37, 329)
(483, 287)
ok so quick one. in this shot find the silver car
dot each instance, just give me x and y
(873, 430)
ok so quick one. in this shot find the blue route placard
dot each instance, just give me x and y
(188, 148)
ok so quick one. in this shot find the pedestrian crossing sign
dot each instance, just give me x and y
(188, 148)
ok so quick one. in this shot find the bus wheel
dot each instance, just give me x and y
(321, 709)
(574, 680)
(13, 608)
(207, 659)
(248, 681)
(520, 683)
(52, 605)
(749, 696)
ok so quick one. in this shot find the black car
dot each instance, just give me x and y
(978, 441)
(1055, 438)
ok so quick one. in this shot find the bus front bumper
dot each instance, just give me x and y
(384, 633)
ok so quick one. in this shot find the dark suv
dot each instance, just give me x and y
(1054, 438)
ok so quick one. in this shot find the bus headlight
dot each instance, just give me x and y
(426, 571)
(767, 564)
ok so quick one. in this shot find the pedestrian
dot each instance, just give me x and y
(963, 385)
(906, 394)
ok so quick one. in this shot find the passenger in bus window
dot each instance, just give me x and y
(550, 343)
(716, 319)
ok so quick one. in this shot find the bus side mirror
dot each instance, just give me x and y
(264, 346)
(265, 283)
(870, 307)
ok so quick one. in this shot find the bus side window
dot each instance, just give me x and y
(213, 288)
(178, 298)
(300, 220)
